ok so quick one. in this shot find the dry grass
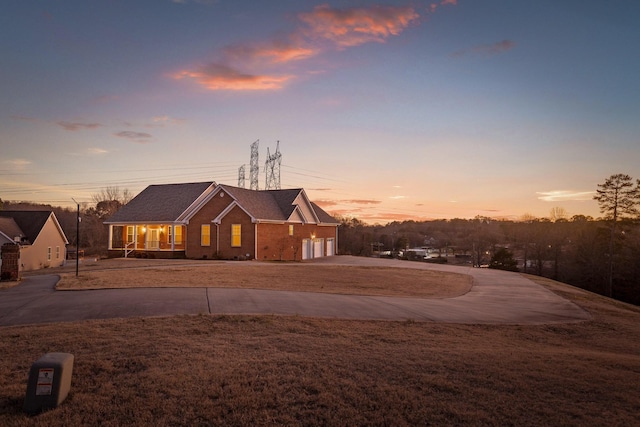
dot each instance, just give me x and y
(275, 276)
(270, 370)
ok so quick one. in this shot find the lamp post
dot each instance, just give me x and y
(77, 235)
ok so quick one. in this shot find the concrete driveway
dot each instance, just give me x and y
(497, 297)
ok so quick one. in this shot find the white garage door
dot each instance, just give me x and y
(306, 248)
(318, 248)
(331, 247)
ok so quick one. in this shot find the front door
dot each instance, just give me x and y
(154, 238)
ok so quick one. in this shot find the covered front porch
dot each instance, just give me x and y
(147, 240)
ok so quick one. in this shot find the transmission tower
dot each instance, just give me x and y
(272, 169)
(254, 166)
(241, 176)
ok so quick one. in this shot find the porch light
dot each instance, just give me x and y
(313, 235)
(144, 228)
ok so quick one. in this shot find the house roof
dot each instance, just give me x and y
(323, 216)
(9, 230)
(274, 205)
(30, 222)
(160, 203)
(178, 202)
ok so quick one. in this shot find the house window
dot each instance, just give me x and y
(49, 253)
(178, 235)
(236, 234)
(57, 252)
(130, 234)
(205, 235)
(169, 234)
(291, 230)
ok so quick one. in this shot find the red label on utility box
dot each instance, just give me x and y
(45, 382)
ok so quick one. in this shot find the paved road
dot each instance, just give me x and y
(497, 297)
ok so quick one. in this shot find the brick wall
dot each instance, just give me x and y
(204, 216)
(10, 262)
(274, 242)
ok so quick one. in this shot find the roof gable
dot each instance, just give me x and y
(30, 222)
(9, 230)
(259, 205)
(290, 205)
(163, 203)
(323, 216)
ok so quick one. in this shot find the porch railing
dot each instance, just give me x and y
(128, 248)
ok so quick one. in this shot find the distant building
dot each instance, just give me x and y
(206, 220)
(40, 237)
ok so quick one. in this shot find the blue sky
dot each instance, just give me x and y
(384, 111)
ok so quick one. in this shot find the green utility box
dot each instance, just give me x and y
(49, 382)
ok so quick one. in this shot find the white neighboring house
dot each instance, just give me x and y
(40, 236)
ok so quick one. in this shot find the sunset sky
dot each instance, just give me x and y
(383, 111)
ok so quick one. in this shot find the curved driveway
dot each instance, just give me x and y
(497, 297)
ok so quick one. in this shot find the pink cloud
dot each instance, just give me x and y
(356, 26)
(139, 137)
(273, 52)
(77, 126)
(250, 66)
(223, 77)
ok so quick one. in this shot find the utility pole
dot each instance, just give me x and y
(254, 167)
(77, 236)
(241, 177)
(272, 169)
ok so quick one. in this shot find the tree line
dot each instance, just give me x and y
(601, 255)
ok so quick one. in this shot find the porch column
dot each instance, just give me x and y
(110, 246)
(217, 238)
(173, 238)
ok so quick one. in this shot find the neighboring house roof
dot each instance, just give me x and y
(178, 203)
(32, 222)
(161, 203)
(9, 230)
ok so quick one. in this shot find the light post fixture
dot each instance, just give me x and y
(77, 236)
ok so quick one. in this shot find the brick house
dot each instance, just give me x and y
(208, 220)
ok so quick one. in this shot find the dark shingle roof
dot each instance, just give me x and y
(30, 222)
(275, 205)
(168, 202)
(323, 216)
(10, 229)
(164, 202)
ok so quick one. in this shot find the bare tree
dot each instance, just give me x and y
(557, 214)
(107, 202)
(618, 198)
(123, 196)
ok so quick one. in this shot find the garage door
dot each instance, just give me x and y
(306, 248)
(318, 248)
(331, 247)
